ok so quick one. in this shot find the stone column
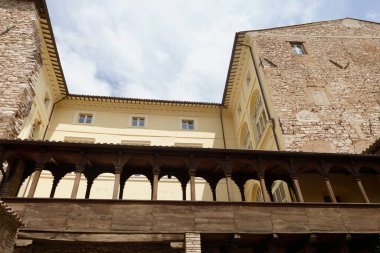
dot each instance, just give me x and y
(78, 174)
(263, 187)
(36, 177)
(297, 188)
(192, 173)
(193, 243)
(329, 189)
(228, 174)
(116, 186)
(183, 187)
(361, 189)
(156, 173)
(54, 187)
(88, 189)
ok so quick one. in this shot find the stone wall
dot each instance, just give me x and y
(9, 223)
(20, 60)
(328, 99)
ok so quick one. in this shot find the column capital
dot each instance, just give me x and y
(156, 170)
(39, 166)
(192, 172)
(79, 168)
(118, 169)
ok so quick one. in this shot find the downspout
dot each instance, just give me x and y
(51, 115)
(263, 94)
(221, 122)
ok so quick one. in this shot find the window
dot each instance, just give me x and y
(138, 121)
(260, 117)
(78, 139)
(85, 118)
(187, 124)
(279, 194)
(188, 145)
(261, 121)
(135, 143)
(298, 48)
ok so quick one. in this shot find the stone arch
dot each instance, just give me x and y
(253, 191)
(43, 188)
(221, 191)
(102, 187)
(137, 186)
(202, 190)
(169, 188)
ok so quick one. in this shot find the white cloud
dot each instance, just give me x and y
(169, 49)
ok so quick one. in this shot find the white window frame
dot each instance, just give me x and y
(86, 113)
(139, 118)
(182, 120)
(298, 48)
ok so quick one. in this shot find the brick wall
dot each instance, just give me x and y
(20, 61)
(9, 223)
(193, 243)
(327, 100)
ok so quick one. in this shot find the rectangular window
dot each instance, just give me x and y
(297, 48)
(138, 121)
(187, 124)
(85, 118)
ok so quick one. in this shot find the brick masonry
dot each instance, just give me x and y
(334, 88)
(193, 243)
(9, 223)
(20, 61)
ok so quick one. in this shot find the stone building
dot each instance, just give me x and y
(180, 176)
(9, 224)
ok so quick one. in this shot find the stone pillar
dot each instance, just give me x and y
(156, 173)
(88, 189)
(228, 174)
(361, 189)
(193, 243)
(78, 174)
(36, 177)
(297, 188)
(116, 186)
(329, 189)
(264, 190)
(192, 173)
(183, 186)
(54, 187)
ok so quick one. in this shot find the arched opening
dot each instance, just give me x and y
(169, 188)
(44, 186)
(137, 187)
(65, 186)
(202, 190)
(252, 191)
(280, 191)
(311, 183)
(222, 194)
(344, 185)
(102, 187)
(370, 179)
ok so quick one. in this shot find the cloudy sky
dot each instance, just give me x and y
(171, 49)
